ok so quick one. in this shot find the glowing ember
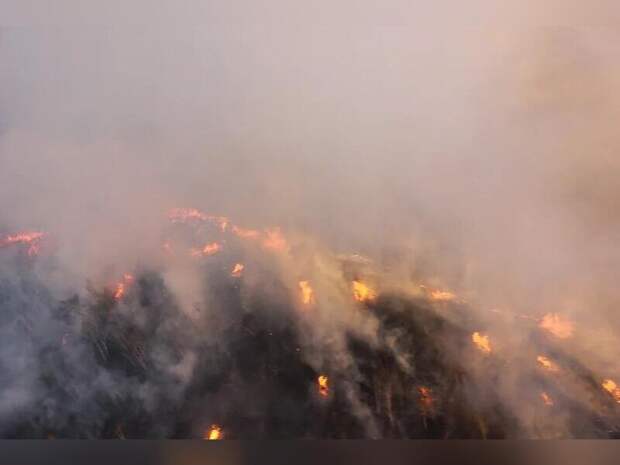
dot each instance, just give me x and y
(323, 384)
(363, 293)
(611, 387)
(482, 342)
(547, 364)
(245, 233)
(183, 215)
(121, 287)
(547, 400)
(426, 398)
(442, 296)
(209, 249)
(274, 240)
(30, 238)
(213, 434)
(307, 294)
(556, 325)
(237, 270)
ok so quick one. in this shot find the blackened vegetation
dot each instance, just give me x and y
(142, 368)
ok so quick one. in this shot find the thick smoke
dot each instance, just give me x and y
(466, 147)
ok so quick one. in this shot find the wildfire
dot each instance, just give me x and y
(557, 325)
(30, 238)
(547, 400)
(237, 270)
(245, 233)
(442, 296)
(209, 249)
(363, 293)
(547, 364)
(307, 293)
(183, 215)
(323, 384)
(121, 287)
(482, 342)
(426, 398)
(611, 387)
(274, 240)
(213, 434)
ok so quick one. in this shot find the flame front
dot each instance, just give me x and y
(274, 240)
(363, 293)
(30, 238)
(482, 342)
(547, 364)
(121, 287)
(245, 233)
(307, 293)
(547, 400)
(557, 325)
(183, 215)
(426, 399)
(442, 296)
(237, 270)
(208, 250)
(611, 387)
(214, 433)
(323, 385)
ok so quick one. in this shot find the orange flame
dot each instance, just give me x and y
(213, 434)
(442, 296)
(307, 293)
(363, 293)
(482, 342)
(208, 250)
(30, 238)
(426, 398)
(547, 364)
(245, 233)
(547, 400)
(121, 287)
(323, 384)
(183, 215)
(611, 387)
(237, 270)
(274, 240)
(557, 325)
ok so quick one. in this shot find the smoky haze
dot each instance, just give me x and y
(474, 144)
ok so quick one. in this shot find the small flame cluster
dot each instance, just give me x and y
(271, 238)
(307, 293)
(612, 388)
(482, 342)
(30, 238)
(426, 400)
(237, 270)
(363, 293)
(323, 385)
(547, 364)
(213, 434)
(121, 286)
(556, 325)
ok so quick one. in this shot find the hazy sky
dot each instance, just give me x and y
(484, 132)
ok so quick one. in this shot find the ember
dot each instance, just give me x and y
(214, 433)
(323, 385)
(363, 293)
(307, 294)
(482, 342)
